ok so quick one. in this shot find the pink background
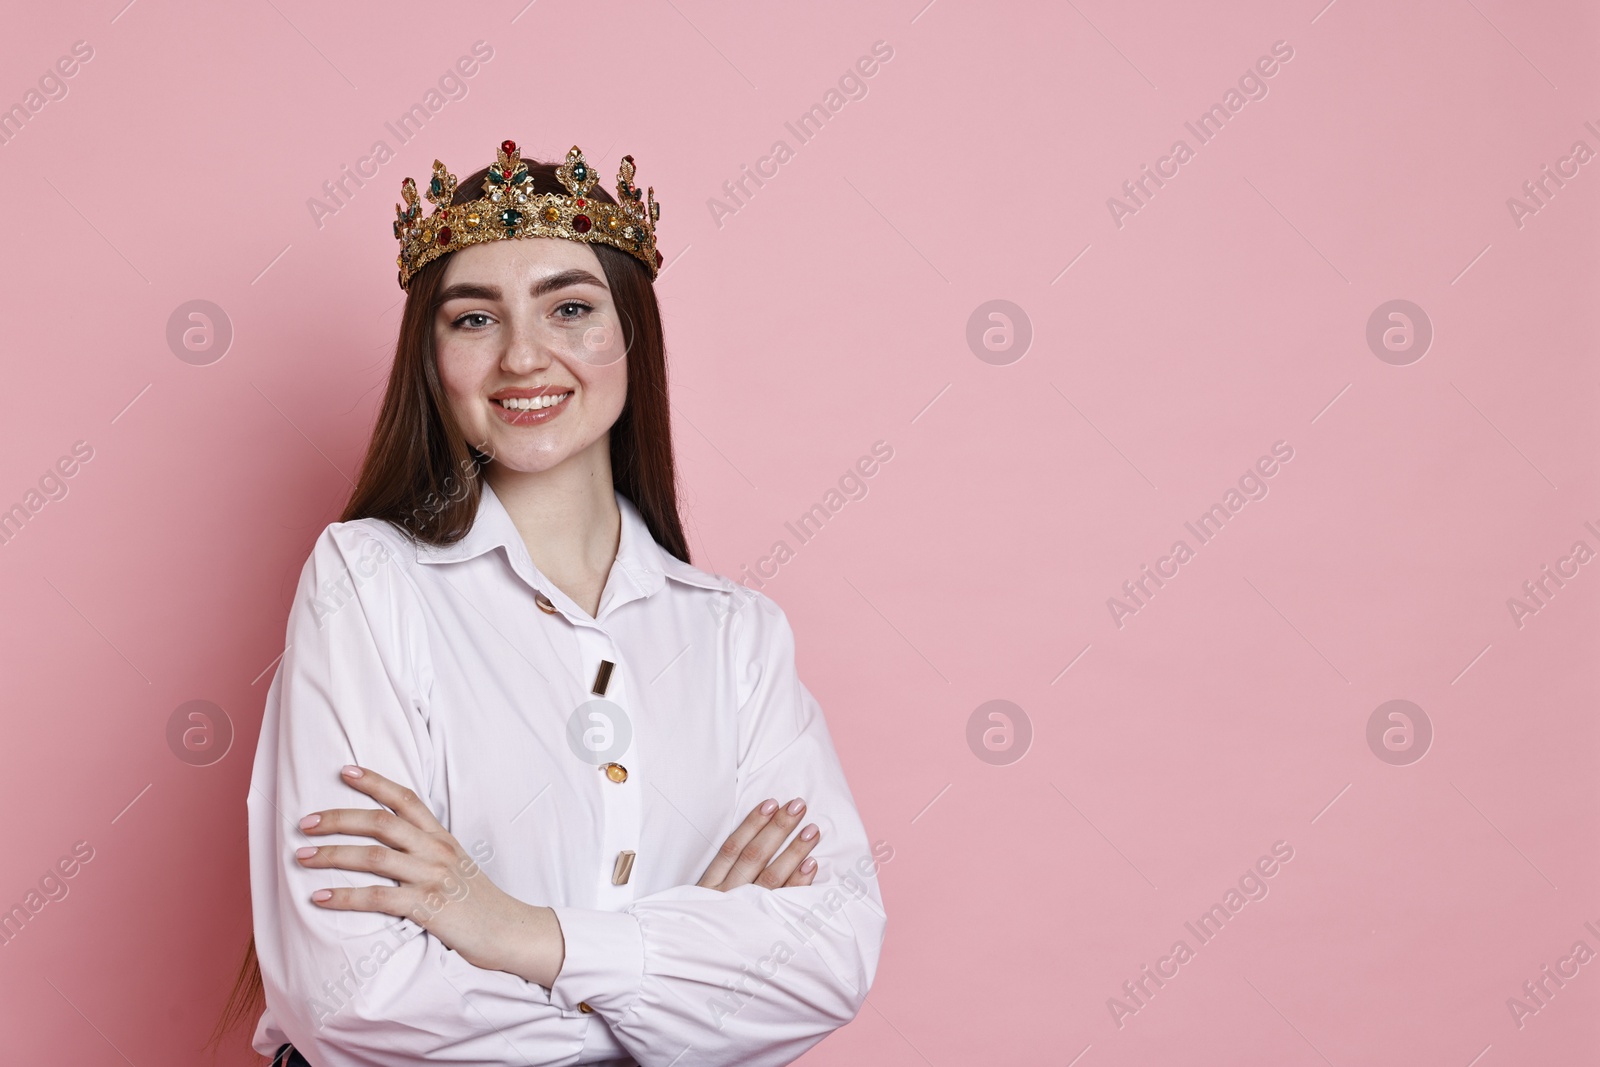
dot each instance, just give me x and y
(827, 313)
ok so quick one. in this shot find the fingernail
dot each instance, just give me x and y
(796, 806)
(306, 851)
(309, 821)
(324, 894)
(808, 866)
(350, 770)
(809, 832)
(768, 807)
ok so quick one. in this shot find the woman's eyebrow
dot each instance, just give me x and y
(468, 291)
(558, 280)
(562, 279)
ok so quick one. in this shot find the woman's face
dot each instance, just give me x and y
(523, 323)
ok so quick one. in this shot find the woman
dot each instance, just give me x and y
(596, 816)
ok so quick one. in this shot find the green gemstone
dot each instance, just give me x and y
(435, 187)
(494, 176)
(510, 218)
(579, 172)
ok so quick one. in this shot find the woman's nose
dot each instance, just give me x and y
(526, 350)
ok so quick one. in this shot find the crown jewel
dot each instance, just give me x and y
(509, 208)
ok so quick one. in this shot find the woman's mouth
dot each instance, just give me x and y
(527, 410)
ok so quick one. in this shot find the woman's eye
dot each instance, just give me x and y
(469, 315)
(581, 308)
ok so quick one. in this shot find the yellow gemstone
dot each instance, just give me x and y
(616, 772)
(551, 213)
(474, 220)
(613, 222)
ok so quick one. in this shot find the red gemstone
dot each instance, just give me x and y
(508, 147)
(444, 235)
(581, 223)
(581, 202)
(658, 259)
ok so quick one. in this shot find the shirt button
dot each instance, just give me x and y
(602, 678)
(615, 771)
(583, 1006)
(544, 603)
(622, 868)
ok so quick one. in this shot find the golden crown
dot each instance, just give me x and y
(509, 208)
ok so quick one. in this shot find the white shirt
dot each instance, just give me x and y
(437, 668)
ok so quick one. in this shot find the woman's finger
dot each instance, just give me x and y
(789, 860)
(373, 859)
(804, 873)
(387, 899)
(742, 835)
(392, 795)
(755, 856)
(378, 823)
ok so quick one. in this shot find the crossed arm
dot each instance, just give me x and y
(484, 925)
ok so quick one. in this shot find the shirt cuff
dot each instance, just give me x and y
(604, 962)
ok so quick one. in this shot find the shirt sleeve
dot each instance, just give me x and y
(357, 988)
(754, 976)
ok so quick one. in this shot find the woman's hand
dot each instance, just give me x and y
(746, 856)
(441, 888)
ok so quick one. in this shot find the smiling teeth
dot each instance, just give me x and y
(533, 403)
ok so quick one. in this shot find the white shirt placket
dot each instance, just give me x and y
(619, 776)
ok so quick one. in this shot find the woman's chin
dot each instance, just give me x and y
(530, 457)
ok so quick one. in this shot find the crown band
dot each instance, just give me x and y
(510, 209)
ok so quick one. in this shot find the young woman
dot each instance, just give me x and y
(588, 813)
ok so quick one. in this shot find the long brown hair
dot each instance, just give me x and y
(421, 475)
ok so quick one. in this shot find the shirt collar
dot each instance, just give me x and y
(640, 560)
